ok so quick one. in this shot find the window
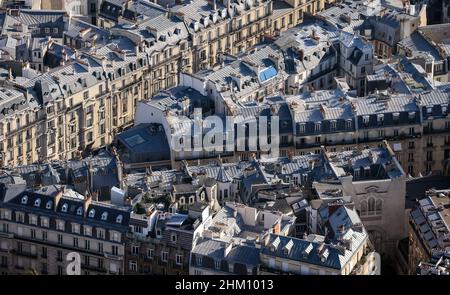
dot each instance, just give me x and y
(317, 127)
(199, 260)
(60, 225)
(119, 218)
(100, 233)
(164, 256)
(135, 250)
(64, 207)
(49, 205)
(115, 236)
(75, 242)
(60, 239)
(115, 250)
(104, 215)
(371, 204)
(100, 247)
(150, 253)
(179, 259)
(333, 125)
(92, 213)
(33, 220)
(37, 203)
(20, 217)
(24, 200)
(133, 266)
(87, 230)
(217, 264)
(173, 237)
(87, 245)
(44, 252)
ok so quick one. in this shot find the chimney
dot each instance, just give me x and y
(301, 54)
(87, 201)
(58, 197)
(277, 227)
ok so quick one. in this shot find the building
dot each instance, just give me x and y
(344, 250)
(42, 226)
(230, 242)
(428, 230)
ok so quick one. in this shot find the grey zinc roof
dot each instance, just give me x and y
(335, 259)
(375, 105)
(210, 248)
(222, 175)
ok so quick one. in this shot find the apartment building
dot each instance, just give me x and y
(289, 13)
(428, 229)
(161, 242)
(344, 250)
(228, 244)
(43, 228)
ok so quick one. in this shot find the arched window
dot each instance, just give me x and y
(371, 204)
(119, 218)
(24, 200)
(363, 207)
(104, 215)
(64, 208)
(49, 205)
(79, 211)
(92, 213)
(379, 205)
(37, 203)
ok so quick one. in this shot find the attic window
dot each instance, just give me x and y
(79, 211)
(37, 203)
(104, 215)
(64, 208)
(162, 38)
(49, 205)
(24, 200)
(119, 218)
(92, 213)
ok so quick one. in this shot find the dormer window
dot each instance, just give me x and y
(49, 205)
(24, 200)
(333, 125)
(308, 249)
(199, 260)
(317, 127)
(119, 218)
(429, 110)
(411, 115)
(37, 203)
(104, 215)
(396, 116)
(64, 207)
(80, 211)
(92, 213)
(380, 119)
(349, 124)
(444, 110)
(366, 120)
(287, 248)
(302, 128)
